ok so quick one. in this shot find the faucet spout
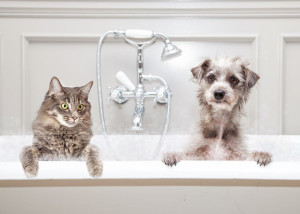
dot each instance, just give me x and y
(139, 109)
(137, 118)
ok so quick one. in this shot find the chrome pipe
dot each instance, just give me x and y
(121, 94)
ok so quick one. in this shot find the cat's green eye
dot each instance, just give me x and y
(64, 106)
(80, 107)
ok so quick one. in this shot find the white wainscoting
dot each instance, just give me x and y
(40, 40)
(34, 76)
(290, 48)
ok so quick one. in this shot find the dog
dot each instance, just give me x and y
(224, 86)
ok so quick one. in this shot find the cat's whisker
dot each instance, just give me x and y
(83, 124)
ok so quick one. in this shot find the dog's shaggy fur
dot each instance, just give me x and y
(224, 87)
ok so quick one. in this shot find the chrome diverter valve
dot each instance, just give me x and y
(121, 95)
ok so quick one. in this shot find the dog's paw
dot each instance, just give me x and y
(262, 158)
(31, 170)
(95, 168)
(171, 159)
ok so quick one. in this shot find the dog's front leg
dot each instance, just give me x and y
(261, 158)
(171, 159)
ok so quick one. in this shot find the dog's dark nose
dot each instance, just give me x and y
(219, 94)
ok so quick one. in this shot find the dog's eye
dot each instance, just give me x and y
(233, 80)
(211, 78)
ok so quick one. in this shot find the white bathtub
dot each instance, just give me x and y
(135, 151)
(137, 186)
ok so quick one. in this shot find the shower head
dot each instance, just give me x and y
(170, 50)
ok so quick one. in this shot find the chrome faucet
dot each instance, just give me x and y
(127, 90)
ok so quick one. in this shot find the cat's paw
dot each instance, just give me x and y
(95, 168)
(262, 158)
(31, 170)
(171, 159)
(29, 161)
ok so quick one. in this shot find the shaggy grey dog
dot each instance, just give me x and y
(224, 87)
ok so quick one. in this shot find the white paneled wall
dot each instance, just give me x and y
(290, 89)
(44, 38)
(40, 39)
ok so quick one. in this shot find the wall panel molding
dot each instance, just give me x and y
(25, 84)
(1, 79)
(28, 38)
(135, 9)
(284, 39)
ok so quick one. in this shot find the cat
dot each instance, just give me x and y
(62, 130)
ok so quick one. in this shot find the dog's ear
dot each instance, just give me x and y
(250, 77)
(200, 70)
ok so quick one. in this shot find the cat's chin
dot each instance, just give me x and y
(71, 125)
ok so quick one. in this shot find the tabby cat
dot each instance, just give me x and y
(62, 130)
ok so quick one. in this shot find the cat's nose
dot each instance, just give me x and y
(74, 118)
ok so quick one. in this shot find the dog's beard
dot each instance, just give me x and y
(227, 103)
(218, 106)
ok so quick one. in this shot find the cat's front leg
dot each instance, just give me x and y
(93, 160)
(29, 160)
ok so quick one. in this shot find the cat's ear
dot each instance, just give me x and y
(55, 87)
(86, 88)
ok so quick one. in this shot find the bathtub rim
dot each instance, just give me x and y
(155, 173)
